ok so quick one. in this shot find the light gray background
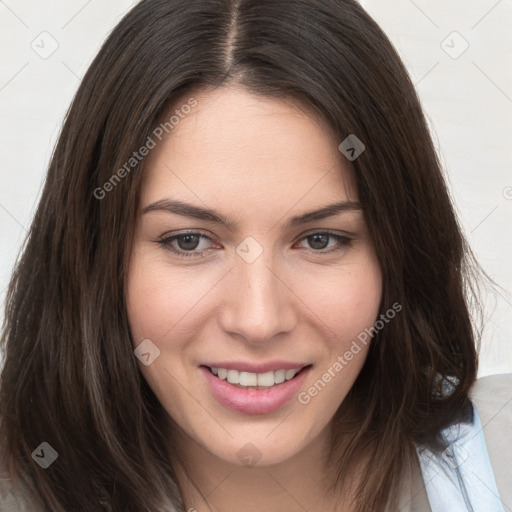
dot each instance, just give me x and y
(467, 97)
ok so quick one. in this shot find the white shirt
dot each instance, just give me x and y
(461, 479)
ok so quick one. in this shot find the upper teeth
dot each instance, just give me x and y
(255, 379)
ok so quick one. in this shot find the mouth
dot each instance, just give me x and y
(254, 393)
(253, 380)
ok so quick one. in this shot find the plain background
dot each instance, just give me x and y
(458, 55)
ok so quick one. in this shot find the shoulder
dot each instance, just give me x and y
(492, 397)
(496, 389)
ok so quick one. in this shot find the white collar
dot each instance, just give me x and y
(460, 479)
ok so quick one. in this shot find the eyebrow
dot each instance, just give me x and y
(206, 214)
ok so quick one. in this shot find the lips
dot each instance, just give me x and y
(255, 400)
(246, 366)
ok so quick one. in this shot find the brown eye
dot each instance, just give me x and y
(318, 242)
(186, 244)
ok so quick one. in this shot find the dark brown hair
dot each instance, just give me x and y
(70, 377)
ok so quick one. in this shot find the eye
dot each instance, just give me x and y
(319, 241)
(185, 245)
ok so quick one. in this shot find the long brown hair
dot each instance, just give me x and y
(70, 377)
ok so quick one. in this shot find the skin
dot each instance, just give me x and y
(258, 161)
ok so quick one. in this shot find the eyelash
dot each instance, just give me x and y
(166, 242)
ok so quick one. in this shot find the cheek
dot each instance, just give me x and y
(348, 300)
(348, 303)
(163, 306)
(161, 302)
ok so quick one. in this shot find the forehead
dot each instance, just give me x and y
(235, 148)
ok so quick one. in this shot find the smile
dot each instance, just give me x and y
(255, 380)
(251, 392)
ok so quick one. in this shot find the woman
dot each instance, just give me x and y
(245, 285)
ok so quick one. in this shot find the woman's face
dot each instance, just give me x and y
(255, 283)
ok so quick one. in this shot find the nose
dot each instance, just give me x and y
(258, 302)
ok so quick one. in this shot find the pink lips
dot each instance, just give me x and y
(269, 366)
(254, 401)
